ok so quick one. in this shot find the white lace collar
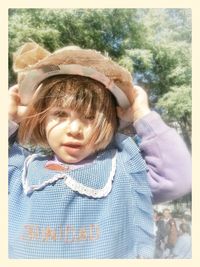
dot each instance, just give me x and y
(69, 180)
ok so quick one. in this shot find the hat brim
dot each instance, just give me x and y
(34, 77)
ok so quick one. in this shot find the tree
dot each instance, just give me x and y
(163, 64)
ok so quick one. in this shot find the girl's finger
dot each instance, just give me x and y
(14, 89)
(21, 111)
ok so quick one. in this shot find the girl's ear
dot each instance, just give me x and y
(28, 54)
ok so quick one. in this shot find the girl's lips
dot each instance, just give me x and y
(72, 148)
(72, 145)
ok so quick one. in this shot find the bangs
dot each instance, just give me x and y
(81, 100)
(87, 97)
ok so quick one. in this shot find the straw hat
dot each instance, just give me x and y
(33, 64)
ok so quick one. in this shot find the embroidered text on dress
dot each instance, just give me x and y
(66, 233)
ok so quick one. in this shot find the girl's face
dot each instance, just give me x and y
(69, 134)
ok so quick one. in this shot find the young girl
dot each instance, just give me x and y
(91, 197)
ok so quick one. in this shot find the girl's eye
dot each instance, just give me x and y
(60, 114)
(89, 118)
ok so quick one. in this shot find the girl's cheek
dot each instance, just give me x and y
(90, 132)
(50, 128)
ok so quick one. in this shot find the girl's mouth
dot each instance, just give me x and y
(72, 147)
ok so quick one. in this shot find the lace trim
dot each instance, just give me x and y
(28, 189)
(69, 181)
(92, 192)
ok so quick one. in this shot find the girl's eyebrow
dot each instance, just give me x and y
(57, 108)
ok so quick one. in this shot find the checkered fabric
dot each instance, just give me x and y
(57, 222)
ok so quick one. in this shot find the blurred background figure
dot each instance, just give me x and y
(167, 234)
(183, 246)
(171, 235)
(158, 230)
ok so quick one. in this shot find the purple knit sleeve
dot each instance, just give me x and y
(167, 158)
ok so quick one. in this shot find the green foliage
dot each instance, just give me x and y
(142, 59)
(171, 66)
(175, 103)
(176, 106)
(126, 62)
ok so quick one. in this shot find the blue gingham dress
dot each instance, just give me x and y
(79, 214)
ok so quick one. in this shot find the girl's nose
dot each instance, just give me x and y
(74, 127)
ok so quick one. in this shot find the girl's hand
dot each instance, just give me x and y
(16, 111)
(139, 108)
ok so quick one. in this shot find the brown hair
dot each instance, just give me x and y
(82, 94)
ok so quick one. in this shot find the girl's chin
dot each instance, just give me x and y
(70, 160)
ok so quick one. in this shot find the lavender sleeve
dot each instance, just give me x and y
(167, 158)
